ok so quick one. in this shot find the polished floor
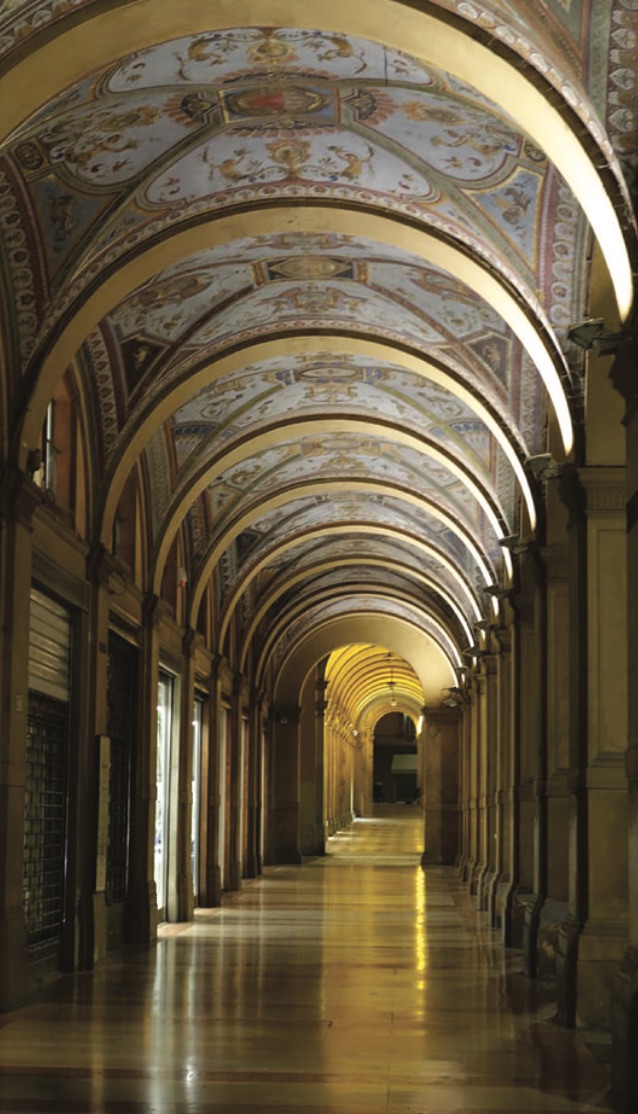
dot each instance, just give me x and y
(354, 983)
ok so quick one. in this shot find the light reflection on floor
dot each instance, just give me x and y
(357, 982)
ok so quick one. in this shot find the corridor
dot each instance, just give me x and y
(356, 982)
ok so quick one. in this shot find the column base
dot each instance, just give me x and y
(587, 962)
(213, 895)
(491, 898)
(142, 916)
(624, 1027)
(531, 919)
(552, 915)
(520, 901)
(485, 881)
(503, 908)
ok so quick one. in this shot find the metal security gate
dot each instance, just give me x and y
(47, 760)
(122, 715)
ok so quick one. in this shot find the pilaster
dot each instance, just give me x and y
(625, 988)
(142, 913)
(211, 892)
(185, 896)
(593, 937)
(441, 808)
(285, 806)
(19, 498)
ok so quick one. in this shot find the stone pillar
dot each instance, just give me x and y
(464, 790)
(235, 803)
(185, 896)
(482, 781)
(592, 939)
(490, 752)
(532, 827)
(284, 815)
(93, 801)
(211, 892)
(441, 788)
(321, 706)
(253, 864)
(142, 893)
(19, 499)
(554, 908)
(474, 749)
(510, 711)
(625, 993)
(502, 719)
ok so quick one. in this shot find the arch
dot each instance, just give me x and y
(230, 362)
(429, 663)
(323, 487)
(313, 570)
(348, 531)
(295, 610)
(438, 40)
(541, 348)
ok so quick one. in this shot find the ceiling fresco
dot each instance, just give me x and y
(314, 289)
(203, 124)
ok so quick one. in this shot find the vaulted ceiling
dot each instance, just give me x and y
(313, 267)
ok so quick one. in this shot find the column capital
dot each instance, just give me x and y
(605, 488)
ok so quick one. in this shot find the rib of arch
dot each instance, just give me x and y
(96, 42)
(428, 660)
(333, 487)
(293, 347)
(225, 228)
(438, 630)
(316, 569)
(347, 530)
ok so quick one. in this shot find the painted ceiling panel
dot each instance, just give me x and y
(110, 157)
(360, 551)
(296, 630)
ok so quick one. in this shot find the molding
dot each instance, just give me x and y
(58, 581)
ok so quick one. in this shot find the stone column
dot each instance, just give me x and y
(500, 813)
(142, 894)
(490, 751)
(554, 908)
(483, 751)
(19, 499)
(235, 803)
(321, 707)
(441, 788)
(532, 827)
(253, 864)
(510, 711)
(185, 896)
(211, 893)
(474, 749)
(93, 801)
(284, 815)
(464, 791)
(592, 940)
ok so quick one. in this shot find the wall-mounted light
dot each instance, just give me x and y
(182, 577)
(592, 336)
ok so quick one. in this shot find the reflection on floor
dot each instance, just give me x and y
(355, 983)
